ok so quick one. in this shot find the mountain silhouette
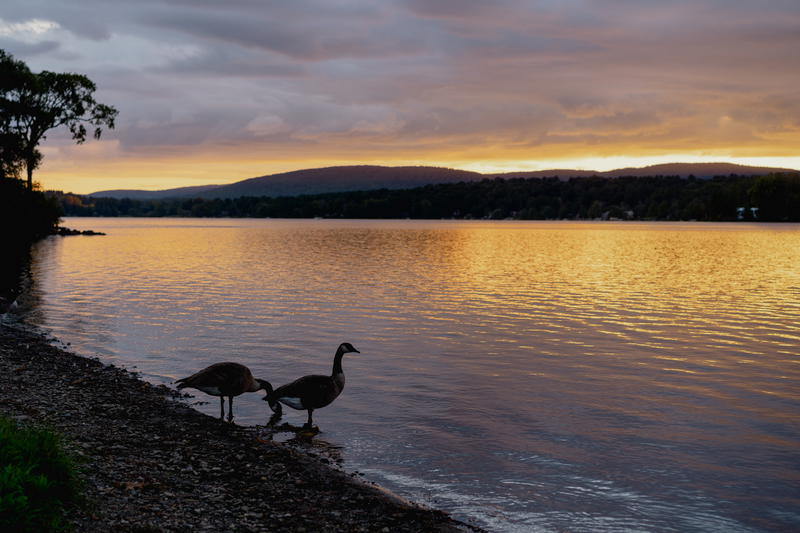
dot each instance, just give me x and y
(371, 177)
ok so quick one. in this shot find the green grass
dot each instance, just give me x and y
(38, 479)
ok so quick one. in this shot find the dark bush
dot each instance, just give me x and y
(38, 479)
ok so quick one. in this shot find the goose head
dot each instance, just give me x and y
(346, 347)
(264, 384)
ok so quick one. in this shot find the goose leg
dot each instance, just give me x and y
(230, 408)
(277, 412)
(222, 407)
(308, 424)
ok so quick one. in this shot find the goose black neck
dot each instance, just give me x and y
(337, 362)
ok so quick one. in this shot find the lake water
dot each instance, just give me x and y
(524, 376)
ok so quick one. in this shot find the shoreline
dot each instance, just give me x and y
(152, 463)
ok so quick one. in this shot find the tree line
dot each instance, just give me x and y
(774, 197)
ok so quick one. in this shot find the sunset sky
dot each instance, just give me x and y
(213, 91)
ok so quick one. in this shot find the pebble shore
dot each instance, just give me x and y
(152, 463)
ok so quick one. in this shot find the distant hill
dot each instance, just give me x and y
(340, 179)
(698, 170)
(367, 177)
(154, 195)
(312, 181)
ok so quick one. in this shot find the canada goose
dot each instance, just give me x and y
(311, 392)
(225, 379)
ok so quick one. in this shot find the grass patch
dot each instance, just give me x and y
(38, 479)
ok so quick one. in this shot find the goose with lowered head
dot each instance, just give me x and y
(225, 379)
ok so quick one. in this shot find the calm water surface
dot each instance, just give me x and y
(523, 376)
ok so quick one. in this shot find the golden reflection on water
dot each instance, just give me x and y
(620, 349)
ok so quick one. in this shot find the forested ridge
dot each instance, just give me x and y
(774, 197)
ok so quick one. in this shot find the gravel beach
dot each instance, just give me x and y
(152, 463)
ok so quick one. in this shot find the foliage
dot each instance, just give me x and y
(633, 198)
(38, 479)
(12, 74)
(777, 197)
(25, 215)
(32, 104)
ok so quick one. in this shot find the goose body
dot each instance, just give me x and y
(313, 391)
(224, 379)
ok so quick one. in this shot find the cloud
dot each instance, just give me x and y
(488, 79)
(25, 29)
(222, 62)
(22, 49)
(458, 9)
(308, 31)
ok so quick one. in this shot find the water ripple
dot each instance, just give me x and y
(527, 376)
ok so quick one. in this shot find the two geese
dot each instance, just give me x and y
(306, 393)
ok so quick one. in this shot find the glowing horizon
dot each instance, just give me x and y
(220, 173)
(212, 94)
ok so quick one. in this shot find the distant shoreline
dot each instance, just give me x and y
(770, 198)
(73, 232)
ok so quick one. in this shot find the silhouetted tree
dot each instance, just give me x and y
(32, 104)
(12, 74)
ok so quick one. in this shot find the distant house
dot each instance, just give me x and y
(741, 213)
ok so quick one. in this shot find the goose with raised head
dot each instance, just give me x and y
(311, 392)
(225, 379)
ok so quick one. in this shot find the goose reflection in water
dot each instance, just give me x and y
(302, 439)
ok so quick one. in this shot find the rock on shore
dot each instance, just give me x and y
(154, 464)
(68, 231)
